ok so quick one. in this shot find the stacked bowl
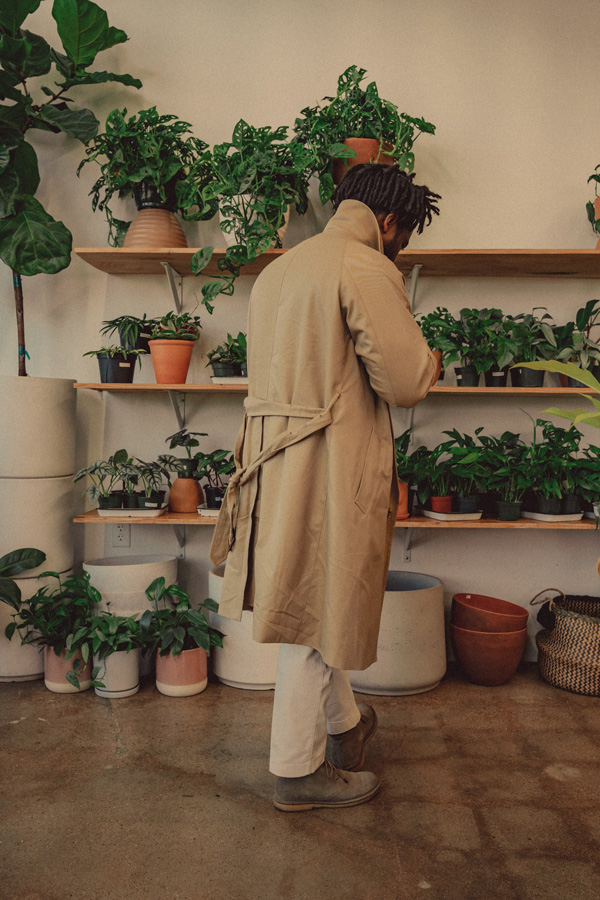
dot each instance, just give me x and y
(488, 637)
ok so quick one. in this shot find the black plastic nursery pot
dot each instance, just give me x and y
(154, 501)
(224, 370)
(140, 344)
(117, 369)
(113, 501)
(467, 503)
(570, 504)
(466, 376)
(508, 511)
(130, 501)
(147, 196)
(528, 377)
(496, 378)
(547, 506)
(188, 468)
(214, 497)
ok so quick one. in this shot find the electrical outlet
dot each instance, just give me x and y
(121, 536)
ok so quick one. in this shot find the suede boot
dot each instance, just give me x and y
(328, 787)
(347, 750)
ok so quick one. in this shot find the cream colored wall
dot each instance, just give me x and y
(512, 91)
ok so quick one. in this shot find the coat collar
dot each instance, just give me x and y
(357, 219)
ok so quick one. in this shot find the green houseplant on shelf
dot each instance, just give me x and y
(508, 474)
(230, 359)
(440, 332)
(32, 242)
(536, 340)
(256, 178)
(154, 475)
(134, 332)
(467, 469)
(116, 365)
(330, 129)
(116, 642)
(105, 475)
(214, 466)
(179, 637)
(156, 160)
(593, 206)
(58, 620)
(404, 472)
(171, 346)
(185, 468)
(575, 343)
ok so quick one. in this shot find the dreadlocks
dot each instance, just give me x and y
(387, 189)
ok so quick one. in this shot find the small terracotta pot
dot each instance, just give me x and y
(441, 504)
(171, 360)
(185, 495)
(477, 612)
(182, 675)
(488, 658)
(367, 150)
(597, 214)
(438, 357)
(403, 512)
(55, 672)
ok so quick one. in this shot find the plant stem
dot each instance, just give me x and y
(18, 289)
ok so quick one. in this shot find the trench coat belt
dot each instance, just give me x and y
(316, 418)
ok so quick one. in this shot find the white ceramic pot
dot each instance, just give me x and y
(230, 238)
(411, 651)
(37, 512)
(122, 580)
(38, 420)
(120, 673)
(242, 662)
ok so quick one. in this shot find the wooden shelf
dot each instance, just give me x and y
(243, 388)
(168, 518)
(479, 263)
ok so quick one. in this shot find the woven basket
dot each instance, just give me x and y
(569, 653)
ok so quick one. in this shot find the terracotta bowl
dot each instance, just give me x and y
(480, 613)
(488, 658)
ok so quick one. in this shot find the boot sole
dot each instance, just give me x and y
(301, 806)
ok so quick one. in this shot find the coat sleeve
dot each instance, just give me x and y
(400, 366)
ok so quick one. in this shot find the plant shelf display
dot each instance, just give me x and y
(241, 388)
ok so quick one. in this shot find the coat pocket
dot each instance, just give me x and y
(369, 476)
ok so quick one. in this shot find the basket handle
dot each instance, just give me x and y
(550, 599)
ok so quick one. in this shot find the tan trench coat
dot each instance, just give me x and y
(307, 523)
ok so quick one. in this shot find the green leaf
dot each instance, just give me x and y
(25, 164)
(10, 593)
(38, 60)
(99, 78)
(201, 259)
(18, 561)
(79, 123)
(32, 242)
(84, 30)
(9, 192)
(14, 12)
(8, 91)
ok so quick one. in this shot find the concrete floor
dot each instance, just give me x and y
(488, 794)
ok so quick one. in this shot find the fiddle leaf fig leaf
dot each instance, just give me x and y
(14, 12)
(84, 30)
(9, 192)
(38, 60)
(79, 123)
(18, 561)
(25, 165)
(98, 78)
(8, 91)
(32, 242)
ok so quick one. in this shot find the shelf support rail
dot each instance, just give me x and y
(412, 287)
(178, 407)
(177, 289)
(179, 534)
(407, 537)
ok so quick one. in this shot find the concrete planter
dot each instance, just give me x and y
(241, 662)
(37, 512)
(411, 653)
(122, 580)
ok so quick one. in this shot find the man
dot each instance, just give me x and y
(307, 523)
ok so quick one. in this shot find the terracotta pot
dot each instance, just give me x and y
(477, 612)
(171, 360)
(185, 495)
(182, 675)
(488, 658)
(155, 228)
(438, 357)
(366, 149)
(441, 504)
(55, 672)
(597, 214)
(403, 512)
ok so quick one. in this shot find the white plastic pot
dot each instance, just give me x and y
(37, 512)
(411, 652)
(242, 662)
(120, 673)
(122, 580)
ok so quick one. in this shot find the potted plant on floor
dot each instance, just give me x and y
(357, 125)
(256, 178)
(229, 360)
(116, 364)
(214, 466)
(105, 475)
(116, 642)
(180, 639)
(171, 346)
(58, 620)
(149, 157)
(134, 332)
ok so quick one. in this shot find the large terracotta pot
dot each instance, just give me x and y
(182, 675)
(477, 612)
(155, 228)
(171, 360)
(55, 672)
(488, 658)
(185, 495)
(366, 149)
(597, 214)
(403, 512)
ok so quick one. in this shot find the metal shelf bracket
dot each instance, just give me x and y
(179, 534)
(178, 403)
(407, 543)
(176, 284)
(412, 287)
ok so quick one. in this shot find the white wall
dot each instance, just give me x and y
(511, 89)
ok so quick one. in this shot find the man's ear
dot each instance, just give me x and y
(386, 221)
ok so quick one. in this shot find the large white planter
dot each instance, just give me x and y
(120, 673)
(37, 512)
(242, 662)
(122, 580)
(411, 652)
(38, 422)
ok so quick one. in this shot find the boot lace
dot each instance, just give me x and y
(333, 772)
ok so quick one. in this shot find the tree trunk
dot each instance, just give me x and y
(18, 289)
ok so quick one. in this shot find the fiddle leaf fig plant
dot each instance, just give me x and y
(32, 242)
(12, 564)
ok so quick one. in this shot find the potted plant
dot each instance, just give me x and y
(116, 642)
(31, 241)
(116, 364)
(134, 332)
(229, 360)
(171, 346)
(440, 332)
(179, 637)
(485, 346)
(535, 340)
(404, 472)
(575, 343)
(256, 178)
(331, 128)
(105, 474)
(466, 469)
(213, 466)
(12, 564)
(58, 620)
(506, 461)
(153, 476)
(186, 494)
(593, 206)
(186, 467)
(552, 462)
(147, 156)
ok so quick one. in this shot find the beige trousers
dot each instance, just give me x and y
(311, 700)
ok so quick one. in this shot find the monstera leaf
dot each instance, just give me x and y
(32, 242)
